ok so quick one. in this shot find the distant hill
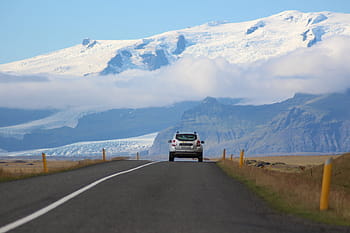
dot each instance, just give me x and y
(304, 123)
(10, 116)
(111, 124)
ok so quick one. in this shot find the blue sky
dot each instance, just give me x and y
(33, 27)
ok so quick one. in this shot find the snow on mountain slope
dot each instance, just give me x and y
(115, 147)
(85, 58)
(240, 43)
(68, 117)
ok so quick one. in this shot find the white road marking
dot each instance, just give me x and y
(52, 206)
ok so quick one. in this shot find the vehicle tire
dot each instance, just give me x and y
(171, 157)
(200, 157)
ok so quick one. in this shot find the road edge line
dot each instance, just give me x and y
(64, 199)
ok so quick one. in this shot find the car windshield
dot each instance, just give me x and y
(186, 137)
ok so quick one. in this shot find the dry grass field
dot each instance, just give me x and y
(297, 159)
(296, 190)
(20, 168)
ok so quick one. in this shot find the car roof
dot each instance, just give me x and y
(179, 132)
(194, 133)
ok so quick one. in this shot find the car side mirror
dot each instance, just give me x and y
(169, 141)
(202, 142)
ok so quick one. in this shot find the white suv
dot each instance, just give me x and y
(186, 145)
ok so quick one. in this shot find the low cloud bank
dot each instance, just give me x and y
(323, 68)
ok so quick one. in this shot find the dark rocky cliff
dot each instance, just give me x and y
(304, 123)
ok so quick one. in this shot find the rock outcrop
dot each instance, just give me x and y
(304, 123)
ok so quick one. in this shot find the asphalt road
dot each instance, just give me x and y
(160, 198)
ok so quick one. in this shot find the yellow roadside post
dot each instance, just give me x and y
(326, 183)
(137, 156)
(44, 162)
(224, 155)
(103, 154)
(241, 158)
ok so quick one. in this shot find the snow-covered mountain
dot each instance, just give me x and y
(238, 43)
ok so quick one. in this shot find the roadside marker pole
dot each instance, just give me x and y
(103, 154)
(326, 183)
(44, 162)
(38, 213)
(137, 156)
(224, 155)
(231, 157)
(241, 158)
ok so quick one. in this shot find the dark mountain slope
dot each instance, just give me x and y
(112, 124)
(304, 123)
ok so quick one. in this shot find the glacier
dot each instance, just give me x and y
(93, 149)
(63, 118)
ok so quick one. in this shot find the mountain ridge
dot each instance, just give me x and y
(304, 123)
(93, 126)
(239, 43)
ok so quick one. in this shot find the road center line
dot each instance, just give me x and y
(59, 202)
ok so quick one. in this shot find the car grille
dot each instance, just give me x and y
(186, 144)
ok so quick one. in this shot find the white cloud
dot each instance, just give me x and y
(322, 68)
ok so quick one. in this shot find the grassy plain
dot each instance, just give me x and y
(297, 159)
(296, 190)
(11, 169)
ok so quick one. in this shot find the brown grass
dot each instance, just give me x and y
(300, 192)
(297, 159)
(18, 169)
